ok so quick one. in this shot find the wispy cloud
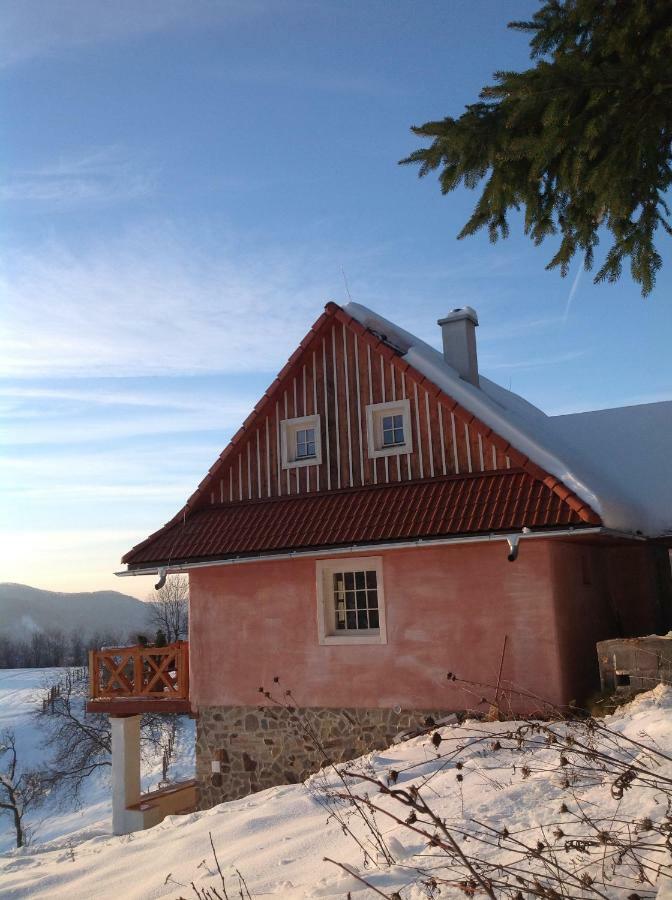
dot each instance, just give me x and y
(538, 362)
(106, 174)
(33, 28)
(150, 303)
(339, 82)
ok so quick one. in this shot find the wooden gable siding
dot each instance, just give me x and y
(337, 376)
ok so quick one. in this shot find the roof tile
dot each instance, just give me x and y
(452, 505)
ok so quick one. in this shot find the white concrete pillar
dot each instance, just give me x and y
(125, 771)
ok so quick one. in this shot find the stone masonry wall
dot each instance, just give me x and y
(259, 747)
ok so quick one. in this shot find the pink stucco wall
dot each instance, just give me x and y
(448, 609)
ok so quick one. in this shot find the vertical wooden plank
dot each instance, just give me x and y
(337, 405)
(360, 425)
(249, 469)
(467, 442)
(278, 453)
(327, 425)
(369, 378)
(346, 387)
(383, 395)
(294, 414)
(395, 469)
(258, 467)
(240, 475)
(473, 449)
(289, 483)
(421, 466)
(456, 452)
(316, 412)
(430, 443)
(268, 461)
(404, 397)
(308, 409)
(442, 439)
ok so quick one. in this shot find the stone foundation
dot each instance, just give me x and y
(259, 747)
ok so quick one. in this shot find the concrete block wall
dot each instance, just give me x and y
(635, 664)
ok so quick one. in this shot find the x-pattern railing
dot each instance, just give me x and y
(157, 672)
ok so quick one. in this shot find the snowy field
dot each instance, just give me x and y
(21, 693)
(278, 839)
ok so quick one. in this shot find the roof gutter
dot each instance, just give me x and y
(511, 538)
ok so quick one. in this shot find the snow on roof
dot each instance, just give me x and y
(618, 461)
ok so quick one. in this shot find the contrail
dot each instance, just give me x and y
(573, 289)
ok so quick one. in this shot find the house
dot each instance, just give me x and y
(384, 516)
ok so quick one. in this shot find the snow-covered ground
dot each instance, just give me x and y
(21, 693)
(278, 839)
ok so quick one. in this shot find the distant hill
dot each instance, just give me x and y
(24, 610)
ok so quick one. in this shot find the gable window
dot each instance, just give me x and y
(305, 443)
(300, 442)
(388, 427)
(350, 601)
(393, 430)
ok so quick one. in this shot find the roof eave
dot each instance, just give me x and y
(366, 546)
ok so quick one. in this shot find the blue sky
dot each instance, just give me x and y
(184, 184)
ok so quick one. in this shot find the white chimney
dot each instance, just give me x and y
(459, 342)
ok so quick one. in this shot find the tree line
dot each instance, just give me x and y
(167, 621)
(55, 648)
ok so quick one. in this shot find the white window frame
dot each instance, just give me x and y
(288, 430)
(327, 633)
(375, 413)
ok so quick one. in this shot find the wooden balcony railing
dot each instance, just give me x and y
(140, 678)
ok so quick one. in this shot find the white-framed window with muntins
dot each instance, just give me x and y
(300, 442)
(388, 428)
(351, 601)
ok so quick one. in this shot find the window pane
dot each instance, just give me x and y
(355, 600)
(305, 443)
(393, 430)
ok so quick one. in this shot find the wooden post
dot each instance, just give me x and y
(184, 671)
(137, 671)
(93, 680)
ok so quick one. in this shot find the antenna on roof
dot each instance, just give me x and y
(345, 282)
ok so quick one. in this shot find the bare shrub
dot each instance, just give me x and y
(169, 608)
(20, 790)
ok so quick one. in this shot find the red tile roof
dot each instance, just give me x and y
(453, 505)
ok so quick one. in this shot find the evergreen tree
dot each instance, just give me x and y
(582, 141)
